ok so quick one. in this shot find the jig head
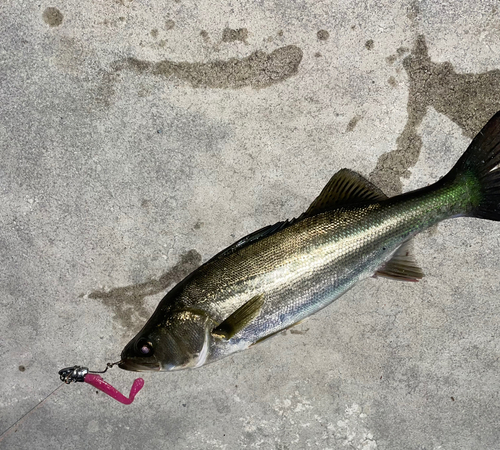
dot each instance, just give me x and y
(73, 374)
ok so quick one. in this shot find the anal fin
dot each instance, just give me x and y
(239, 319)
(402, 266)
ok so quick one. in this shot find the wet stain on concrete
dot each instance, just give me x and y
(369, 44)
(52, 16)
(322, 35)
(169, 24)
(105, 91)
(413, 11)
(391, 59)
(127, 303)
(230, 35)
(204, 35)
(352, 123)
(258, 70)
(467, 99)
(392, 81)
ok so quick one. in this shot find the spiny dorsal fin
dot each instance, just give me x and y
(240, 318)
(402, 266)
(344, 188)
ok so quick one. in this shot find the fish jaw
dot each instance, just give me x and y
(134, 366)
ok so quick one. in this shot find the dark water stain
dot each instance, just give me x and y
(391, 59)
(52, 16)
(105, 90)
(204, 34)
(230, 35)
(369, 44)
(169, 24)
(413, 11)
(258, 70)
(392, 81)
(127, 303)
(322, 35)
(154, 33)
(352, 123)
(468, 99)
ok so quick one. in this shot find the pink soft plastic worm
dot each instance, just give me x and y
(99, 383)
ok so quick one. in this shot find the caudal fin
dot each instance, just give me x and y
(479, 169)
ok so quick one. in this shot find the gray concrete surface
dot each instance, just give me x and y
(138, 138)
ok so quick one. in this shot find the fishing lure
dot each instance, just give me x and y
(82, 374)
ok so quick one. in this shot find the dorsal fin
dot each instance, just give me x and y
(402, 266)
(344, 188)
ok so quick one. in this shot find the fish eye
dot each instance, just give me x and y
(144, 347)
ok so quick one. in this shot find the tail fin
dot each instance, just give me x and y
(479, 169)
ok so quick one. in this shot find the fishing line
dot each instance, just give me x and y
(5, 433)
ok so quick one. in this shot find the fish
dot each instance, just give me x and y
(279, 275)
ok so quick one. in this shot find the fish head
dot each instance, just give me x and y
(179, 341)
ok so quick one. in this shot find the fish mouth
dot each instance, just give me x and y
(134, 366)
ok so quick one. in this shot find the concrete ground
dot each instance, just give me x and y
(138, 138)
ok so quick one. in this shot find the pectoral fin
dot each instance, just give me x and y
(402, 266)
(239, 319)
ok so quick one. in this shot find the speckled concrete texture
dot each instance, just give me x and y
(139, 138)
